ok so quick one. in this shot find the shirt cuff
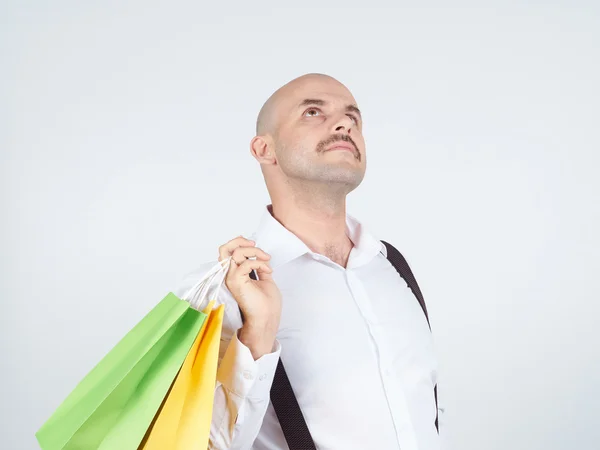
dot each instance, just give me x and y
(241, 374)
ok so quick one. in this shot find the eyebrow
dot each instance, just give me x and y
(319, 102)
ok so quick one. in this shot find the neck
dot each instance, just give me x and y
(318, 220)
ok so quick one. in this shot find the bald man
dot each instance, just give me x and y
(314, 309)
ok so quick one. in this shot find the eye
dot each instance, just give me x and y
(312, 112)
(353, 117)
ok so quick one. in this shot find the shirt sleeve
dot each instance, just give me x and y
(242, 389)
(242, 395)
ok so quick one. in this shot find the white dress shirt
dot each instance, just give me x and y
(355, 344)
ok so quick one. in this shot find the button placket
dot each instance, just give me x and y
(394, 393)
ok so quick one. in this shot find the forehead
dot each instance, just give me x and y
(328, 90)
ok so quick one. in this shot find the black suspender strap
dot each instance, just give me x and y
(288, 412)
(284, 401)
(287, 409)
(402, 267)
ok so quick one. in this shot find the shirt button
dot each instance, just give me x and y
(262, 377)
(248, 375)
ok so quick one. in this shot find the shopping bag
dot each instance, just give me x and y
(183, 422)
(114, 405)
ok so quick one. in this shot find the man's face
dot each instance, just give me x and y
(319, 134)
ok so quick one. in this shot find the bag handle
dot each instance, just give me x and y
(197, 295)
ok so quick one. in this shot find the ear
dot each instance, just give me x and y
(262, 148)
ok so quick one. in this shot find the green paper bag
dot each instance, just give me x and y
(114, 405)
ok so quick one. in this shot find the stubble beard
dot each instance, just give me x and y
(313, 173)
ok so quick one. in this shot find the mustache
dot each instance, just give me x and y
(336, 138)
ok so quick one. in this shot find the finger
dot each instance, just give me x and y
(240, 254)
(264, 275)
(227, 249)
(242, 271)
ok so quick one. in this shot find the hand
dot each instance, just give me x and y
(259, 300)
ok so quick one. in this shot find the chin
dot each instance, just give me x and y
(345, 175)
(350, 179)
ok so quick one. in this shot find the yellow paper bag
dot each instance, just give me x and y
(183, 422)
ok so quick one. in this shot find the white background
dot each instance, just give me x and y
(125, 131)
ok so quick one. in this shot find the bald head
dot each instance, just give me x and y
(267, 122)
(296, 130)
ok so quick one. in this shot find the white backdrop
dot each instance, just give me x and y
(125, 131)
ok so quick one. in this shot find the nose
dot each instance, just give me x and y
(344, 124)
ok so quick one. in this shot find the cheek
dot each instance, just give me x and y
(304, 140)
(359, 141)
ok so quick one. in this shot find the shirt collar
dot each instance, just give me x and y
(366, 246)
(284, 246)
